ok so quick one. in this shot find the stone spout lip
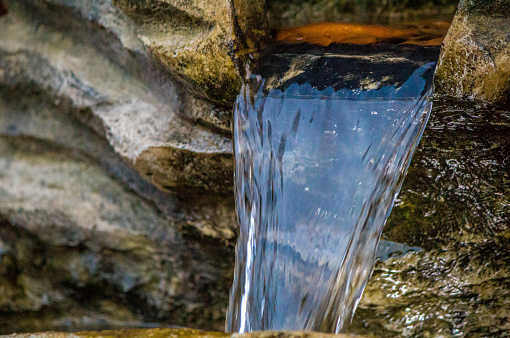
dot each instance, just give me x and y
(347, 66)
(177, 333)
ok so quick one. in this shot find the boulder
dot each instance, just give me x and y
(91, 64)
(475, 59)
(191, 38)
(80, 248)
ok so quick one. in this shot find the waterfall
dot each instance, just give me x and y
(316, 173)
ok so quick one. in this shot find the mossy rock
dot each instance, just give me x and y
(128, 333)
(193, 38)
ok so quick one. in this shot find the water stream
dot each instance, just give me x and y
(317, 172)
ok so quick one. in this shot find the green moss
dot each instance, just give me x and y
(211, 70)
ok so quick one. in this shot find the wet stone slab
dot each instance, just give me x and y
(174, 333)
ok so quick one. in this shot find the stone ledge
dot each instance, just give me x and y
(175, 333)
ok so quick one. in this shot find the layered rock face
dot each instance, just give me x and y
(115, 167)
(475, 60)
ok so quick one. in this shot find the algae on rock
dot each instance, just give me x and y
(191, 38)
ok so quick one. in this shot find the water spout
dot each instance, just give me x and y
(317, 172)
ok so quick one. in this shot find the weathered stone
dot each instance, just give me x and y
(86, 240)
(74, 238)
(455, 205)
(101, 75)
(132, 333)
(457, 292)
(250, 31)
(458, 185)
(475, 59)
(176, 333)
(97, 118)
(192, 38)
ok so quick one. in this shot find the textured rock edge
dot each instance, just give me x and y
(176, 333)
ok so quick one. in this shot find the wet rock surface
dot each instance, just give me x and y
(303, 12)
(340, 66)
(455, 205)
(475, 60)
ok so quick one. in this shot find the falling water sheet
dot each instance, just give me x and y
(317, 172)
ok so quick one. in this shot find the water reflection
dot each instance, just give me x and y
(317, 172)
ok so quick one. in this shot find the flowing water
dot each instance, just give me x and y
(317, 172)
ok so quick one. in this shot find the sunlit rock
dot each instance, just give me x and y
(475, 60)
(328, 33)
